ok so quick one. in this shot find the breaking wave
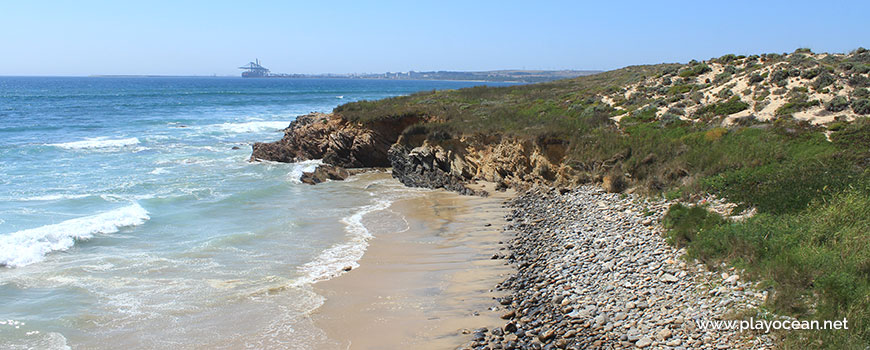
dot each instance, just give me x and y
(32, 245)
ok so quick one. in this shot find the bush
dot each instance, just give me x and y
(837, 104)
(721, 77)
(796, 105)
(681, 88)
(647, 114)
(779, 77)
(861, 106)
(729, 107)
(755, 78)
(677, 111)
(695, 70)
(823, 80)
(725, 59)
(811, 73)
(815, 260)
(859, 81)
(685, 223)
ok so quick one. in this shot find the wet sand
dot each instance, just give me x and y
(426, 276)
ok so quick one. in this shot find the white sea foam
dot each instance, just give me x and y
(249, 127)
(29, 246)
(302, 167)
(53, 197)
(97, 142)
(333, 261)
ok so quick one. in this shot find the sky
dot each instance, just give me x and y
(178, 37)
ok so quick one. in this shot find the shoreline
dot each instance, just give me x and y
(426, 283)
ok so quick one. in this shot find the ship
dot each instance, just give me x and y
(255, 70)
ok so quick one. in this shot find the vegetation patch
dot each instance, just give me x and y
(695, 70)
(729, 107)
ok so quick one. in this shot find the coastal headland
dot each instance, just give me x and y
(650, 197)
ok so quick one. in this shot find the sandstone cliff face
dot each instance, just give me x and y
(335, 140)
(505, 160)
(419, 161)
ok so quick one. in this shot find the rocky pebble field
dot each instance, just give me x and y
(595, 272)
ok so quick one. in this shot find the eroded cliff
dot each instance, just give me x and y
(419, 160)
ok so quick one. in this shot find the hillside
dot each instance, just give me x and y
(783, 138)
(818, 88)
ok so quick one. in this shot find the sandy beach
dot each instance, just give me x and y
(425, 285)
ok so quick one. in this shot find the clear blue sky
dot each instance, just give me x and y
(214, 37)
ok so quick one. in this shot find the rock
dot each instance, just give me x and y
(236, 147)
(663, 334)
(589, 271)
(347, 268)
(335, 140)
(509, 315)
(643, 342)
(546, 335)
(732, 279)
(669, 278)
(418, 167)
(323, 173)
(614, 183)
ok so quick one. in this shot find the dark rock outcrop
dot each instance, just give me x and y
(426, 167)
(323, 173)
(335, 140)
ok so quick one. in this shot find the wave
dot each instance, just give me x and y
(32, 245)
(52, 197)
(249, 127)
(306, 166)
(336, 260)
(97, 142)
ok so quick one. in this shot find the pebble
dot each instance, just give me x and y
(594, 271)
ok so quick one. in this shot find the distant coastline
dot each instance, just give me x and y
(501, 76)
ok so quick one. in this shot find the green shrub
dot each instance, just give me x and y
(861, 106)
(816, 260)
(779, 77)
(725, 59)
(796, 105)
(761, 94)
(721, 78)
(647, 114)
(731, 106)
(755, 78)
(695, 70)
(677, 111)
(837, 104)
(859, 81)
(685, 223)
(681, 88)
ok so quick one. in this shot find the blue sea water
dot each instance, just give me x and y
(127, 218)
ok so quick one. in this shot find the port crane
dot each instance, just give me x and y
(254, 70)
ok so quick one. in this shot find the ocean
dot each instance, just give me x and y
(130, 216)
